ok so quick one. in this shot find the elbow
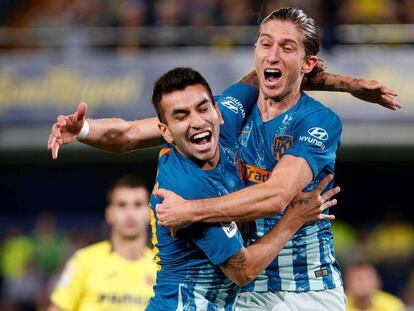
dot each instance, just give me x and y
(245, 276)
(243, 279)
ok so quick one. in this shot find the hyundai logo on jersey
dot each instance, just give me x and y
(318, 133)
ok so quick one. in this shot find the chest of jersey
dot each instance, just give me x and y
(116, 284)
(262, 145)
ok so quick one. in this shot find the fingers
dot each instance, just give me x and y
(330, 193)
(55, 151)
(325, 182)
(326, 217)
(53, 136)
(61, 121)
(327, 204)
(386, 90)
(173, 232)
(162, 193)
(80, 113)
(389, 101)
(50, 141)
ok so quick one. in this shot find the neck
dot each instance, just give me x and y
(131, 249)
(272, 107)
(363, 303)
(204, 165)
(208, 165)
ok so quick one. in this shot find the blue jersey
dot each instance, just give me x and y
(311, 131)
(189, 277)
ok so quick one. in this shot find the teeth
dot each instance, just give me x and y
(201, 135)
(272, 70)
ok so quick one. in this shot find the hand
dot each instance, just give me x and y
(173, 211)
(374, 92)
(309, 206)
(65, 129)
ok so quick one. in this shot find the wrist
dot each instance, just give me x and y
(193, 212)
(83, 133)
(293, 221)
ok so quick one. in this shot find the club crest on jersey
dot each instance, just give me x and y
(281, 143)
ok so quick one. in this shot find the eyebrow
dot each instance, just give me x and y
(264, 35)
(180, 110)
(284, 40)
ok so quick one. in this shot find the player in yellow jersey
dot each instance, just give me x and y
(363, 290)
(116, 274)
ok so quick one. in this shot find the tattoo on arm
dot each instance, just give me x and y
(237, 262)
(321, 83)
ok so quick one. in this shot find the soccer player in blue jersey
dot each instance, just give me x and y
(201, 163)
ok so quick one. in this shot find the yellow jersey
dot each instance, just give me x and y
(96, 278)
(381, 301)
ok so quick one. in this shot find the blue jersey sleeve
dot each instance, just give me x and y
(218, 241)
(235, 105)
(316, 139)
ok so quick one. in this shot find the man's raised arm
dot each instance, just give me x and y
(118, 135)
(367, 90)
(115, 135)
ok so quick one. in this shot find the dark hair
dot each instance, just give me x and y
(176, 80)
(303, 22)
(127, 181)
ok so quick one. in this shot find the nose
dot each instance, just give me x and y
(273, 56)
(197, 121)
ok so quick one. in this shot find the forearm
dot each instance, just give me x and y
(117, 135)
(325, 81)
(251, 261)
(248, 204)
(251, 79)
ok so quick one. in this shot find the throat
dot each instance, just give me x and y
(270, 108)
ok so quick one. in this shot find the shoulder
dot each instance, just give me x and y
(148, 254)
(386, 299)
(314, 112)
(177, 174)
(96, 250)
(313, 106)
(148, 260)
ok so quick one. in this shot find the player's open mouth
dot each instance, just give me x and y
(272, 75)
(201, 138)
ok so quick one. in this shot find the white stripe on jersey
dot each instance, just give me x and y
(314, 260)
(286, 272)
(200, 301)
(180, 299)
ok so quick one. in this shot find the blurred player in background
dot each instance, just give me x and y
(363, 285)
(116, 274)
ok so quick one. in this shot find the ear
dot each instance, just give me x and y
(309, 63)
(108, 215)
(165, 132)
(148, 214)
(220, 117)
